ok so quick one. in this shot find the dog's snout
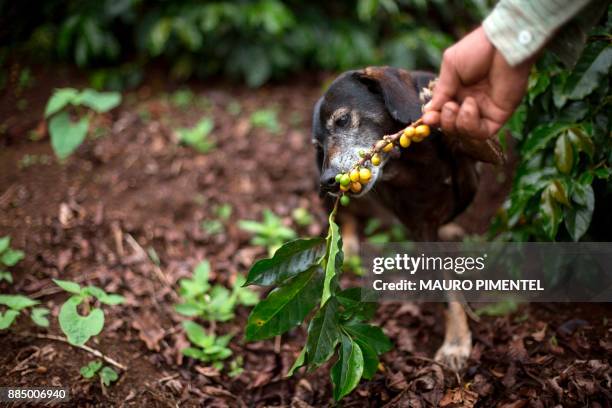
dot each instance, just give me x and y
(328, 179)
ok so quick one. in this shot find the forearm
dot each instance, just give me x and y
(520, 28)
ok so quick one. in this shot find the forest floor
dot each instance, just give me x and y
(125, 213)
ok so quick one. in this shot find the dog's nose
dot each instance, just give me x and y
(328, 180)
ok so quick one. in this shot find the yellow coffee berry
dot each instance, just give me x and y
(354, 175)
(344, 188)
(388, 148)
(364, 175)
(421, 131)
(404, 140)
(356, 187)
(409, 131)
(345, 180)
(417, 139)
(376, 159)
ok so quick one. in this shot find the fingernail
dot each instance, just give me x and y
(427, 106)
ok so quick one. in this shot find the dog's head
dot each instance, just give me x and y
(357, 110)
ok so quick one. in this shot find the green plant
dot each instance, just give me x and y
(270, 233)
(236, 367)
(302, 217)
(267, 119)
(107, 374)
(211, 303)
(16, 304)
(8, 257)
(182, 98)
(77, 327)
(197, 137)
(305, 273)
(210, 348)
(216, 226)
(563, 137)
(66, 135)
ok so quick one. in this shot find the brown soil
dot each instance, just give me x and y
(135, 188)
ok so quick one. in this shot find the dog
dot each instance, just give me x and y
(424, 186)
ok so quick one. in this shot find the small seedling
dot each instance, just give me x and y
(28, 160)
(267, 119)
(270, 233)
(16, 304)
(8, 257)
(212, 303)
(67, 135)
(236, 367)
(209, 348)
(216, 226)
(80, 328)
(107, 374)
(197, 137)
(302, 217)
(182, 98)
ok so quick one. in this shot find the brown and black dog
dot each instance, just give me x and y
(424, 186)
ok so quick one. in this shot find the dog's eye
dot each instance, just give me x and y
(343, 120)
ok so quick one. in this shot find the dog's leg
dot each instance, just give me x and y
(457, 344)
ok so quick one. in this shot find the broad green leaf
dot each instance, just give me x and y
(66, 136)
(68, 286)
(292, 258)
(98, 101)
(578, 217)
(5, 242)
(370, 359)
(564, 154)
(193, 352)
(189, 309)
(108, 375)
(347, 371)
(39, 316)
(7, 318)
(59, 100)
(17, 302)
(539, 138)
(286, 306)
(299, 362)
(78, 329)
(11, 257)
(196, 334)
(6, 275)
(371, 335)
(90, 369)
(112, 299)
(550, 215)
(94, 291)
(592, 67)
(581, 140)
(323, 334)
(334, 258)
(350, 299)
(558, 191)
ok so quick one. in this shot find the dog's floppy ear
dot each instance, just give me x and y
(398, 90)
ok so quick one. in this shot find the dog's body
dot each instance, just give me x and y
(424, 186)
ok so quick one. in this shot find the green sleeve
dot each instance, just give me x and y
(520, 28)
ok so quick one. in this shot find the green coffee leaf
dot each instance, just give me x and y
(550, 215)
(289, 260)
(371, 335)
(299, 362)
(108, 375)
(370, 359)
(286, 306)
(539, 138)
(79, 329)
(7, 318)
(6, 275)
(244, 296)
(68, 286)
(39, 316)
(350, 299)
(10, 257)
(59, 100)
(198, 284)
(17, 302)
(197, 335)
(98, 101)
(578, 217)
(334, 258)
(66, 136)
(347, 371)
(592, 67)
(90, 369)
(323, 334)
(5, 242)
(564, 154)
(189, 309)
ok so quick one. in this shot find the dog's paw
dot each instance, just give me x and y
(455, 354)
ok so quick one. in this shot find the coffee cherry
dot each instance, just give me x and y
(388, 148)
(422, 131)
(344, 188)
(354, 175)
(364, 175)
(362, 153)
(404, 140)
(356, 187)
(345, 200)
(409, 131)
(345, 180)
(338, 176)
(376, 159)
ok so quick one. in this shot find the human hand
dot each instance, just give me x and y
(477, 90)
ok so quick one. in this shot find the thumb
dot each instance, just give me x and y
(447, 85)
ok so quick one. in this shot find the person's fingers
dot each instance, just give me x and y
(431, 118)
(448, 117)
(447, 84)
(469, 122)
